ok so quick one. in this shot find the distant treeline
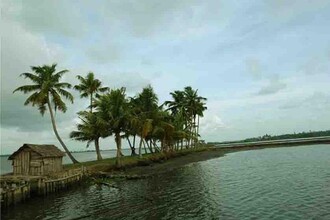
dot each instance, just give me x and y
(267, 137)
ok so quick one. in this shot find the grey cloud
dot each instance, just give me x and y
(103, 55)
(285, 10)
(316, 65)
(15, 115)
(148, 17)
(141, 18)
(134, 82)
(291, 105)
(27, 118)
(54, 16)
(20, 50)
(254, 68)
(147, 62)
(318, 100)
(274, 86)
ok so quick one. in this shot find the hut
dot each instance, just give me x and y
(37, 160)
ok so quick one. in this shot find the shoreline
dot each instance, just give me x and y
(163, 162)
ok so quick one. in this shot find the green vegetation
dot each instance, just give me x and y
(165, 128)
(110, 164)
(268, 137)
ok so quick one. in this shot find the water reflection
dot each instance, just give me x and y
(283, 183)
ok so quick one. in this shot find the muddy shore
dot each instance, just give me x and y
(178, 161)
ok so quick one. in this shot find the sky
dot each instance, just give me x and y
(264, 66)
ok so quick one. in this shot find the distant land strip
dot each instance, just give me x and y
(294, 141)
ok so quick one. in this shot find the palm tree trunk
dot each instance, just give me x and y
(197, 126)
(132, 147)
(57, 135)
(149, 146)
(97, 148)
(145, 149)
(156, 147)
(118, 143)
(134, 141)
(195, 131)
(140, 147)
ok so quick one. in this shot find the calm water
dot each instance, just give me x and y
(6, 166)
(278, 183)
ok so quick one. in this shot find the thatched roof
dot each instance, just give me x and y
(43, 150)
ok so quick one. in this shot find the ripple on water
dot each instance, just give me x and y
(278, 183)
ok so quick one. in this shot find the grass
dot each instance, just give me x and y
(109, 164)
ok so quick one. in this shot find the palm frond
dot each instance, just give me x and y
(57, 76)
(34, 78)
(27, 88)
(63, 85)
(66, 94)
(57, 101)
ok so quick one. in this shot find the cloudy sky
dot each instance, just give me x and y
(263, 65)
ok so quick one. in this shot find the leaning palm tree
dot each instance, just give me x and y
(88, 131)
(89, 86)
(47, 92)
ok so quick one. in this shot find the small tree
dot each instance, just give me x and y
(111, 109)
(89, 131)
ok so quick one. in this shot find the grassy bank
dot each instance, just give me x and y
(108, 165)
(159, 162)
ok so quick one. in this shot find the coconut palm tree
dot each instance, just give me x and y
(47, 93)
(111, 109)
(189, 107)
(146, 109)
(194, 105)
(89, 86)
(88, 130)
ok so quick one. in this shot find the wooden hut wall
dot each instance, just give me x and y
(52, 164)
(36, 164)
(36, 168)
(21, 163)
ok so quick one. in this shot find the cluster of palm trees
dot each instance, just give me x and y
(140, 120)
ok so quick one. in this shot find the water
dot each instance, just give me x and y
(6, 167)
(277, 183)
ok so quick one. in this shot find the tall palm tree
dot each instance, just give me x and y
(146, 109)
(189, 107)
(47, 92)
(89, 86)
(195, 105)
(112, 113)
(88, 130)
